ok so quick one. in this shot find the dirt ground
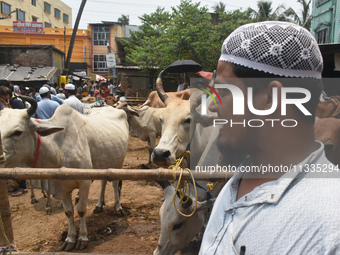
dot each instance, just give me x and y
(135, 232)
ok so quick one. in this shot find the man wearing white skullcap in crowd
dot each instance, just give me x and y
(53, 97)
(277, 202)
(46, 107)
(72, 100)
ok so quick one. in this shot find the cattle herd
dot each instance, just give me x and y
(99, 140)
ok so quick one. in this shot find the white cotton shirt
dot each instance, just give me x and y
(297, 214)
(75, 103)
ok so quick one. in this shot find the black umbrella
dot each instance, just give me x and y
(183, 66)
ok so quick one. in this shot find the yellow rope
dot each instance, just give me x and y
(4, 234)
(183, 187)
(2, 157)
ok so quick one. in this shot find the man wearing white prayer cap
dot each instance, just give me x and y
(72, 100)
(46, 107)
(284, 196)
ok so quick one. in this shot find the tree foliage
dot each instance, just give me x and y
(305, 19)
(125, 19)
(219, 8)
(185, 33)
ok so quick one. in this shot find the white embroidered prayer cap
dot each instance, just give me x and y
(275, 47)
(70, 87)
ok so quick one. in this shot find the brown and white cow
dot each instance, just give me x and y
(176, 230)
(153, 99)
(69, 139)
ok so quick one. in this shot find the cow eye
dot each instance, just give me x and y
(177, 226)
(17, 133)
(187, 121)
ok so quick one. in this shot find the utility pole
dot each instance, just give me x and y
(73, 38)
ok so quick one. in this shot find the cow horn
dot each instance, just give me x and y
(164, 184)
(33, 103)
(159, 87)
(212, 81)
(188, 203)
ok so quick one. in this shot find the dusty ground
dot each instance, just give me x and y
(135, 232)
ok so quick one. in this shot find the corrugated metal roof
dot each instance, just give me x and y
(26, 73)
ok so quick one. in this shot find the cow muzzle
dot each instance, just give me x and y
(161, 156)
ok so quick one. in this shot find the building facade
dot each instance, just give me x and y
(326, 21)
(31, 65)
(106, 42)
(52, 13)
(59, 38)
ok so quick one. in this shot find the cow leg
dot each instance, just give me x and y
(117, 188)
(33, 199)
(70, 241)
(151, 144)
(48, 203)
(101, 202)
(83, 241)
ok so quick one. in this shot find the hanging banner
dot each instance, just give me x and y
(111, 60)
(28, 27)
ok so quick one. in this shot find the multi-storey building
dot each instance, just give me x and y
(52, 13)
(326, 21)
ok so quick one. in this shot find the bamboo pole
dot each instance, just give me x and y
(64, 173)
(5, 212)
(6, 231)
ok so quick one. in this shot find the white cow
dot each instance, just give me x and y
(176, 230)
(147, 125)
(69, 139)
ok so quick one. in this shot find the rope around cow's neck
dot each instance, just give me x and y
(183, 186)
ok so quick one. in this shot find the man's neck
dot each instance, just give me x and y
(283, 151)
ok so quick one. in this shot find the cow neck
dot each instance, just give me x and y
(38, 149)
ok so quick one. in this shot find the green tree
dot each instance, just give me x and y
(305, 19)
(125, 19)
(219, 8)
(265, 12)
(186, 33)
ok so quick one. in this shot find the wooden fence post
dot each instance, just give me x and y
(5, 211)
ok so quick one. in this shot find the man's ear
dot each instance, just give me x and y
(272, 96)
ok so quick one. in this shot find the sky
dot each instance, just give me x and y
(110, 10)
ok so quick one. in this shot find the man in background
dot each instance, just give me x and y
(72, 100)
(46, 107)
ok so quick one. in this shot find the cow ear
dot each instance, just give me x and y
(205, 204)
(45, 130)
(128, 109)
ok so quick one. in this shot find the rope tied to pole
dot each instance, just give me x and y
(183, 187)
(2, 157)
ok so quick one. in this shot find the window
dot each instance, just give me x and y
(101, 34)
(99, 63)
(34, 2)
(322, 36)
(47, 7)
(57, 13)
(20, 15)
(65, 18)
(320, 2)
(48, 24)
(34, 19)
(5, 8)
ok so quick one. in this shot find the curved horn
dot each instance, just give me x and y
(164, 184)
(159, 87)
(34, 105)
